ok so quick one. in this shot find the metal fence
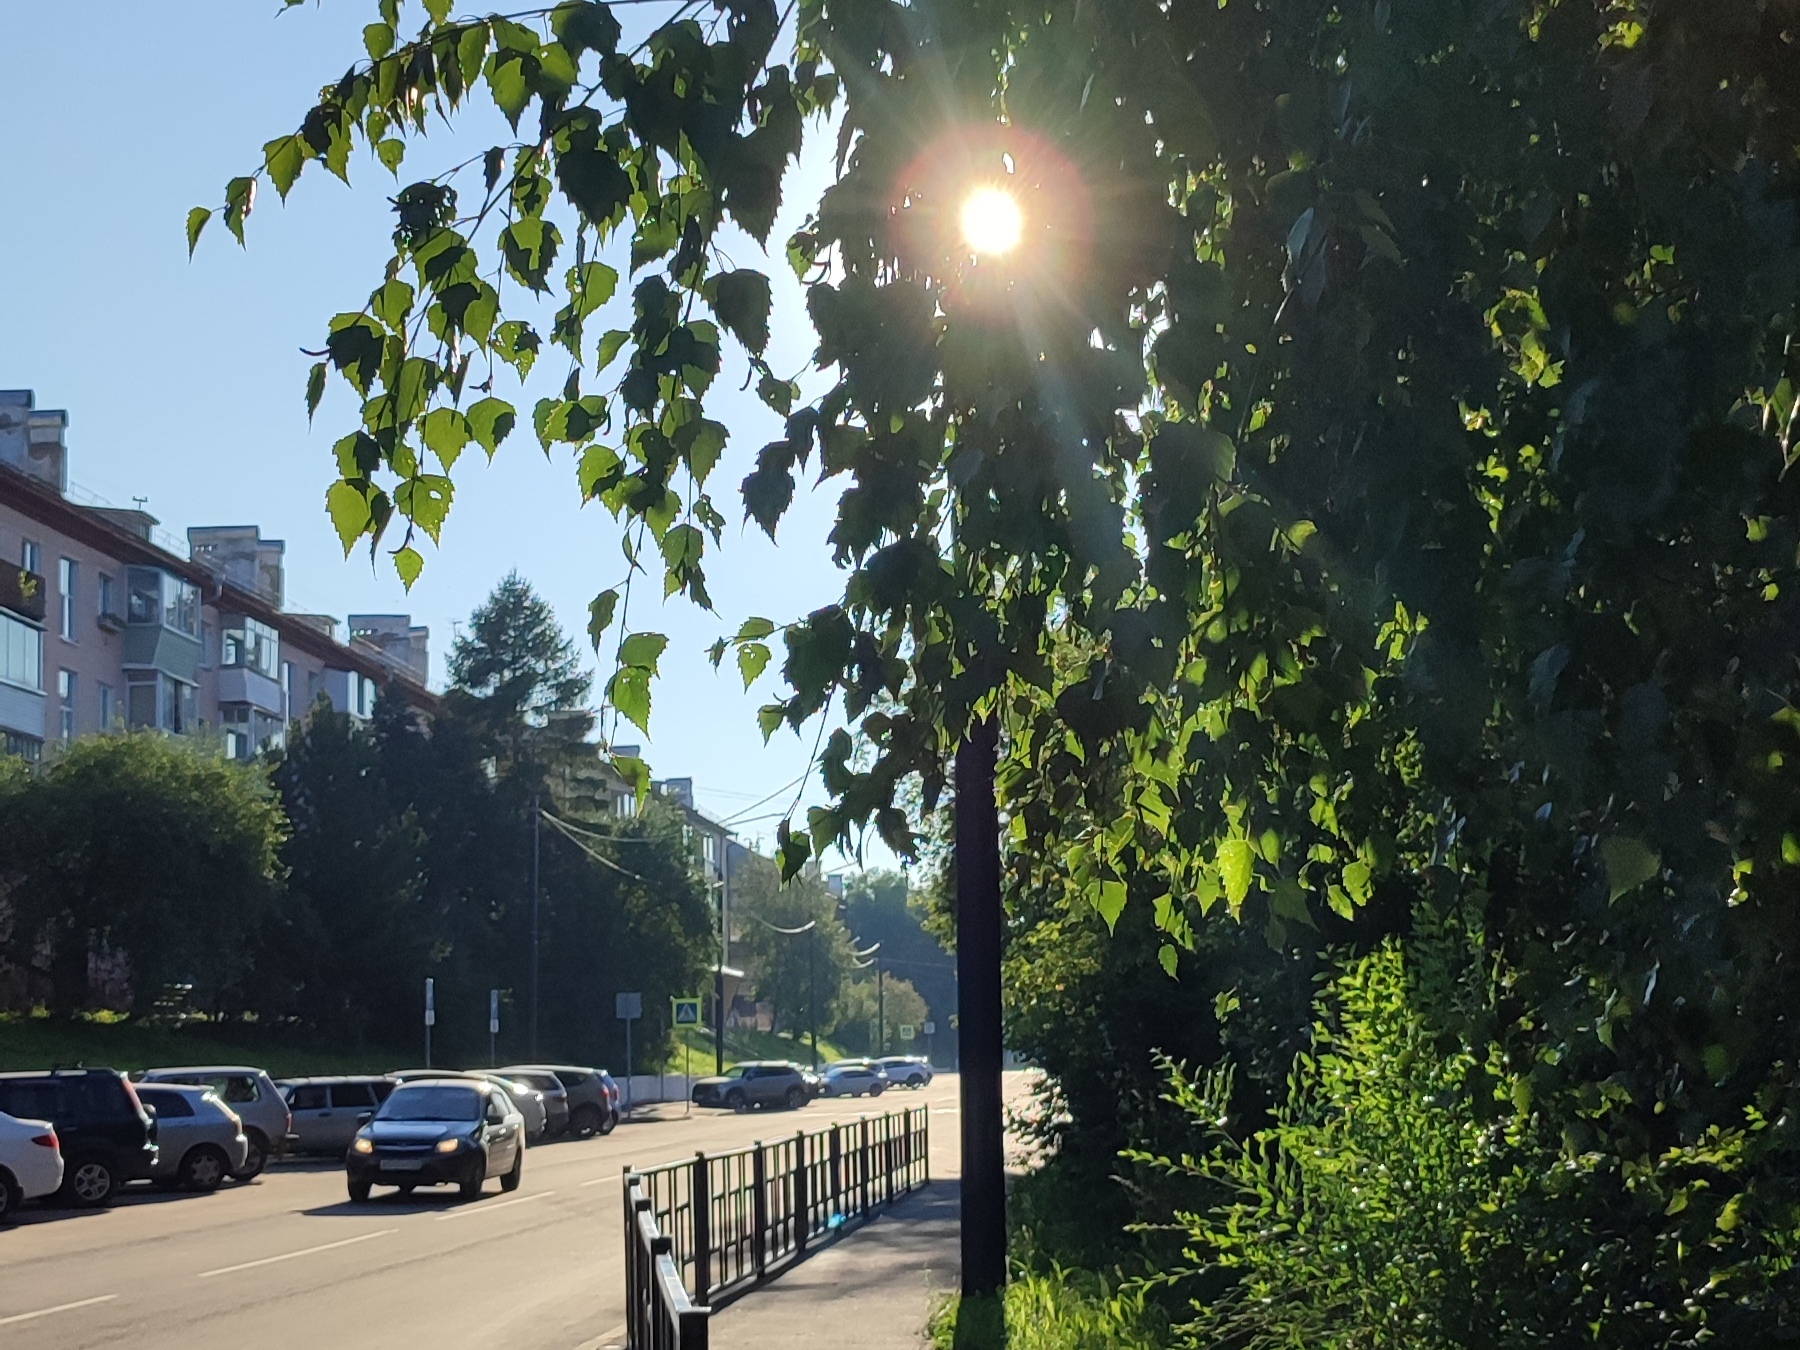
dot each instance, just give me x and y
(722, 1221)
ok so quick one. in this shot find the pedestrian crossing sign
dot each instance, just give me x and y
(686, 1011)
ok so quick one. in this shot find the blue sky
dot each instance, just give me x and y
(184, 380)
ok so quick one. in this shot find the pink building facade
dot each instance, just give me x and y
(103, 627)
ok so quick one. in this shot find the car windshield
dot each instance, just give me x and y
(735, 1071)
(432, 1103)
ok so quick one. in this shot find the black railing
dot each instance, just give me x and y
(727, 1220)
(659, 1315)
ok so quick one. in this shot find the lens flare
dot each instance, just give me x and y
(991, 221)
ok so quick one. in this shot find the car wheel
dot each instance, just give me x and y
(609, 1122)
(89, 1183)
(510, 1182)
(470, 1186)
(204, 1168)
(11, 1197)
(737, 1101)
(359, 1192)
(915, 1082)
(585, 1123)
(796, 1098)
(255, 1159)
(876, 1089)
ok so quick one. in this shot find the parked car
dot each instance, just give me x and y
(757, 1083)
(328, 1111)
(815, 1082)
(854, 1078)
(253, 1096)
(913, 1071)
(556, 1096)
(529, 1101)
(199, 1140)
(106, 1137)
(593, 1106)
(439, 1132)
(31, 1163)
(611, 1085)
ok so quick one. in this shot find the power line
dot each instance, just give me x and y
(604, 861)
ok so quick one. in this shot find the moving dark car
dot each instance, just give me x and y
(439, 1132)
(107, 1137)
(757, 1083)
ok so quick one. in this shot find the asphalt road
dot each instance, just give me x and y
(288, 1263)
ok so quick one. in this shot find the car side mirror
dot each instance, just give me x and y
(364, 1117)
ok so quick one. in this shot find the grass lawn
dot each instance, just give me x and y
(744, 1044)
(43, 1042)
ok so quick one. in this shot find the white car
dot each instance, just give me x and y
(31, 1162)
(853, 1078)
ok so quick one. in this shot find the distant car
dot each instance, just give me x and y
(31, 1163)
(758, 1083)
(253, 1096)
(913, 1071)
(854, 1078)
(200, 1141)
(327, 1112)
(815, 1082)
(593, 1105)
(106, 1137)
(556, 1096)
(439, 1132)
(613, 1095)
(527, 1099)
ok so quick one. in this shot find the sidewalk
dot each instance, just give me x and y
(873, 1289)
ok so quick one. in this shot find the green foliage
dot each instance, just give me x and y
(1408, 1194)
(861, 1007)
(794, 972)
(522, 678)
(143, 847)
(881, 906)
(1059, 1310)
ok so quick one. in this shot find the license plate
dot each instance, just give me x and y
(402, 1164)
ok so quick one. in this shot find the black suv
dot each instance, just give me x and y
(107, 1136)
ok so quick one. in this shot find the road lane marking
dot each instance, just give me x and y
(489, 1209)
(61, 1307)
(305, 1251)
(598, 1181)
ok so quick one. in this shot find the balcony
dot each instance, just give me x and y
(24, 593)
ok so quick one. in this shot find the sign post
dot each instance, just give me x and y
(628, 1008)
(906, 1031)
(493, 1025)
(430, 1015)
(685, 1012)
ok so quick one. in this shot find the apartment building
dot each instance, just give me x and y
(104, 626)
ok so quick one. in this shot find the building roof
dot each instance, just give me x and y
(100, 530)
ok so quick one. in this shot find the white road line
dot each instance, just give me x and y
(305, 1251)
(599, 1181)
(489, 1209)
(61, 1307)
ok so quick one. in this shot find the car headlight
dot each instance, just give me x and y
(362, 1145)
(449, 1145)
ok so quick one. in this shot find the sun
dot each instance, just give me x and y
(991, 221)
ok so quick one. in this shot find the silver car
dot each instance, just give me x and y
(556, 1096)
(200, 1140)
(252, 1095)
(328, 1112)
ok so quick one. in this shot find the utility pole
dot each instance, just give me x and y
(880, 1010)
(536, 818)
(812, 998)
(978, 928)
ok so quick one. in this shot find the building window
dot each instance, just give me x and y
(140, 703)
(108, 712)
(25, 747)
(30, 558)
(252, 645)
(103, 591)
(249, 731)
(177, 706)
(287, 690)
(156, 597)
(65, 694)
(21, 653)
(66, 577)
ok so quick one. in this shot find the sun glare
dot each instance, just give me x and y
(991, 223)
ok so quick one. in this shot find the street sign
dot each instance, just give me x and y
(906, 1031)
(931, 1028)
(626, 1007)
(685, 1012)
(430, 1002)
(493, 1012)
